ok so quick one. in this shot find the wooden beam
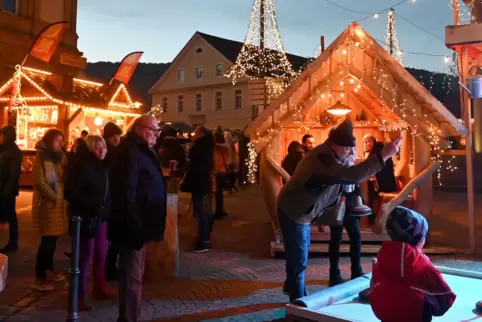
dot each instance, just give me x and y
(410, 119)
(365, 103)
(72, 118)
(131, 122)
(311, 69)
(415, 89)
(266, 135)
(370, 99)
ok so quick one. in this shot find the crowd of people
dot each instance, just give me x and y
(117, 184)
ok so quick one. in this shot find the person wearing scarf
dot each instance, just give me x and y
(49, 209)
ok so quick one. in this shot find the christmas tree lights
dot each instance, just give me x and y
(157, 111)
(392, 44)
(262, 54)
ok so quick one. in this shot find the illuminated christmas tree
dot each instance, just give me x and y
(392, 44)
(262, 55)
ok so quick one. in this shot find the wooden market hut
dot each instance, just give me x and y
(35, 100)
(385, 101)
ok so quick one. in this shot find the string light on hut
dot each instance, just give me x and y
(251, 163)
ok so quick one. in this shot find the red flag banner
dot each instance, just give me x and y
(47, 41)
(127, 67)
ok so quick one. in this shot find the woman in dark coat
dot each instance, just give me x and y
(383, 181)
(87, 192)
(294, 156)
(198, 182)
(10, 170)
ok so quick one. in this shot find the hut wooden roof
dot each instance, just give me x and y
(356, 70)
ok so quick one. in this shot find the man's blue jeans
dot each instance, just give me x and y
(296, 240)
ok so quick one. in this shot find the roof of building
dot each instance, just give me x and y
(231, 49)
(84, 92)
(370, 81)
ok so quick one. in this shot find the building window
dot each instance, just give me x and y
(180, 76)
(199, 72)
(198, 102)
(10, 6)
(218, 101)
(199, 51)
(180, 103)
(164, 105)
(219, 69)
(238, 99)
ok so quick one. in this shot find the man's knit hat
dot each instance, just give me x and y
(111, 129)
(343, 134)
(406, 226)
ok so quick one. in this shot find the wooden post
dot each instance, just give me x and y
(405, 148)
(469, 156)
(271, 185)
(465, 103)
(3, 271)
(322, 44)
(62, 122)
(423, 193)
(3, 116)
(162, 258)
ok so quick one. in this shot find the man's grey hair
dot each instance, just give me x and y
(138, 122)
(93, 140)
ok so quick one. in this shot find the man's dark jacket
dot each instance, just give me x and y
(198, 178)
(137, 213)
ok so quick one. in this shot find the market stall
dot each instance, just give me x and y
(35, 100)
(356, 78)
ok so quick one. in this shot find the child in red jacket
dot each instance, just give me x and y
(405, 285)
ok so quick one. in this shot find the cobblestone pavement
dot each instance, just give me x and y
(236, 281)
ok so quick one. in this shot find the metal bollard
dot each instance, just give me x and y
(74, 272)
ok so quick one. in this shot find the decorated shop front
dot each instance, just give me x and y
(35, 100)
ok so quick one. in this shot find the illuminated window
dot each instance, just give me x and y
(198, 102)
(180, 103)
(238, 99)
(10, 6)
(218, 101)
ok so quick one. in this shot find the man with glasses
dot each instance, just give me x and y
(138, 209)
